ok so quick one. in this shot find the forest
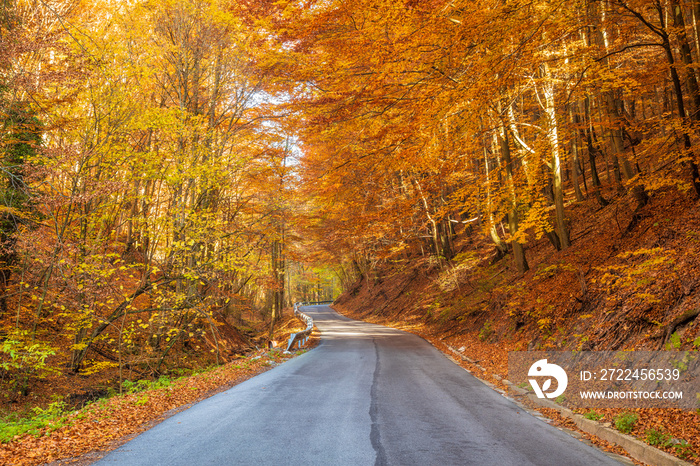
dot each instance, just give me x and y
(146, 189)
(175, 173)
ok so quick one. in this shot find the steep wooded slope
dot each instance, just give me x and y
(630, 280)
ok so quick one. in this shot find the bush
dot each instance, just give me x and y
(593, 416)
(657, 437)
(684, 449)
(625, 422)
(486, 331)
(23, 359)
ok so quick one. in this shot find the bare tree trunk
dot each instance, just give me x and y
(696, 35)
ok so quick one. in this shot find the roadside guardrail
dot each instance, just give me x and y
(300, 337)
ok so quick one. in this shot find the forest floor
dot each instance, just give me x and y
(50, 432)
(630, 280)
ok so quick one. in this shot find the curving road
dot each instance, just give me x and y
(366, 395)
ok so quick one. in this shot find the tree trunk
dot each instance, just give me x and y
(690, 78)
(678, 89)
(501, 247)
(638, 189)
(518, 250)
(592, 152)
(553, 136)
(575, 144)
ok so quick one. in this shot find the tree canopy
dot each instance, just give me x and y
(168, 166)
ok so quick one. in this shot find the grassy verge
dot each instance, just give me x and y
(39, 436)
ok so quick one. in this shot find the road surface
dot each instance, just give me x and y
(367, 395)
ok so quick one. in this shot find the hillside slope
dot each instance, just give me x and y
(629, 281)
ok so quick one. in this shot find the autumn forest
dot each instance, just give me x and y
(176, 173)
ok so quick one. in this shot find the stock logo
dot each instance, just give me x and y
(543, 369)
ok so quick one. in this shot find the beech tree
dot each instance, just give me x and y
(417, 114)
(165, 162)
(146, 174)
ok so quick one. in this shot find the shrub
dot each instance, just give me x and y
(593, 416)
(684, 449)
(23, 359)
(486, 331)
(625, 422)
(657, 437)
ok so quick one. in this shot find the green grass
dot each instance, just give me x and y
(593, 416)
(33, 422)
(142, 385)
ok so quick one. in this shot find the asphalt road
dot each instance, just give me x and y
(366, 395)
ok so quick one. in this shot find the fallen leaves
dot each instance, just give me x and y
(100, 425)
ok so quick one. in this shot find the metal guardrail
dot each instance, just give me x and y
(300, 337)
